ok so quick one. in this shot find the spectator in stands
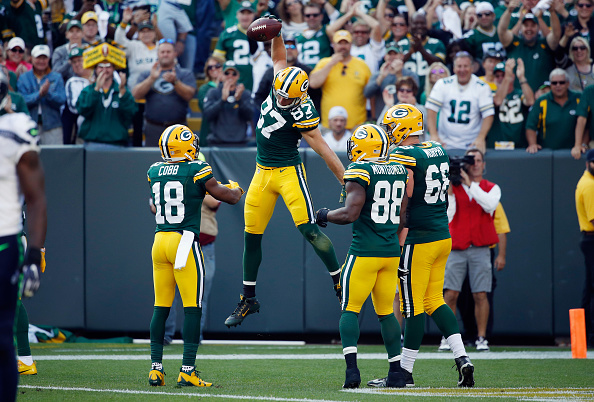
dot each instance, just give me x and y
(553, 116)
(43, 91)
(213, 71)
(582, 22)
(580, 72)
(141, 55)
(107, 109)
(90, 28)
(291, 12)
(16, 53)
(73, 88)
(229, 9)
(389, 73)
(544, 89)
(398, 29)
(489, 62)
(229, 109)
(511, 106)
(420, 50)
(15, 103)
(404, 92)
(536, 52)
(61, 57)
(313, 43)
(25, 21)
(338, 136)
(436, 71)
(342, 78)
(483, 38)
(167, 89)
(175, 25)
(469, 18)
(466, 108)
(233, 44)
(585, 112)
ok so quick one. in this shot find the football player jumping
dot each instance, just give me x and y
(286, 116)
(178, 187)
(375, 195)
(426, 239)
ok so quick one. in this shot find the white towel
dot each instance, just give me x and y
(183, 249)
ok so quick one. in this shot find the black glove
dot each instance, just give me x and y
(274, 17)
(322, 217)
(30, 270)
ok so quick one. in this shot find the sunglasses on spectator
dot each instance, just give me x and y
(361, 32)
(312, 15)
(584, 5)
(386, 15)
(437, 71)
(405, 90)
(481, 15)
(231, 72)
(290, 47)
(17, 50)
(398, 24)
(170, 41)
(213, 66)
(558, 82)
(576, 48)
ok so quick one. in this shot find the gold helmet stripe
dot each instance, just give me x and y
(165, 140)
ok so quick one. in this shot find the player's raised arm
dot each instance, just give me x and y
(278, 53)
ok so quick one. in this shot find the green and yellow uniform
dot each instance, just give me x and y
(372, 261)
(233, 45)
(417, 63)
(428, 242)
(510, 121)
(279, 169)
(554, 124)
(480, 42)
(538, 59)
(313, 48)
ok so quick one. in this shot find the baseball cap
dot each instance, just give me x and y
(73, 23)
(342, 35)
(546, 84)
(499, 67)
(145, 24)
(230, 65)
(493, 54)
(89, 15)
(246, 5)
(483, 7)
(393, 48)
(75, 52)
(16, 42)
(530, 16)
(40, 50)
(289, 37)
(337, 111)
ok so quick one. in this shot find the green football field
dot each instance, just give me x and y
(75, 372)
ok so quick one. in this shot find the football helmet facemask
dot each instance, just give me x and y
(401, 121)
(290, 84)
(369, 142)
(178, 143)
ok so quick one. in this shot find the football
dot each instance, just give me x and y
(264, 29)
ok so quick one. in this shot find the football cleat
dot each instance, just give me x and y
(352, 378)
(401, 121)
(157, 377)
(465, 372)
(369, 142)
(178, 143)
(26, 370)
(245, 307)
(191, 379)
(383, 382)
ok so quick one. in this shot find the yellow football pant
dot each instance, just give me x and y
(361, 276)
(189, 280)
(267, 184)
(422, 289)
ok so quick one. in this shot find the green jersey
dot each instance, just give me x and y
(538, 59)
(417, 63)
(375, 232)
(427, 209)
(480, 42)
(278, 131)
(585, 107)
(233, 45)
(313, 47)
(510, 121)
(178, 190)
(26, 21)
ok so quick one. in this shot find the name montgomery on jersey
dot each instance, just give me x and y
(388, 169)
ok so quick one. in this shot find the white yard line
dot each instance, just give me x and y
(201, 394)
(229, 342)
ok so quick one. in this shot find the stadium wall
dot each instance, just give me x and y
(100, 232)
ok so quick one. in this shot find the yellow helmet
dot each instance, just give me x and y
(401, 121)
(290, 83)
(369, 142)
(178, 143)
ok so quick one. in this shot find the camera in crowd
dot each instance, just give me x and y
(457, 163)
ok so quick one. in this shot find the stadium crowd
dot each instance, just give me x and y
(533, 56)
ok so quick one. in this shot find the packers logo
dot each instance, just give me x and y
(400, 113)
(305, 85)
(360, 134)
(185, 135)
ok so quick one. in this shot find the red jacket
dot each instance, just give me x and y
(471, 224)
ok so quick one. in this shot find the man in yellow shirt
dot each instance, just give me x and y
(342, 78)
(584, 205)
